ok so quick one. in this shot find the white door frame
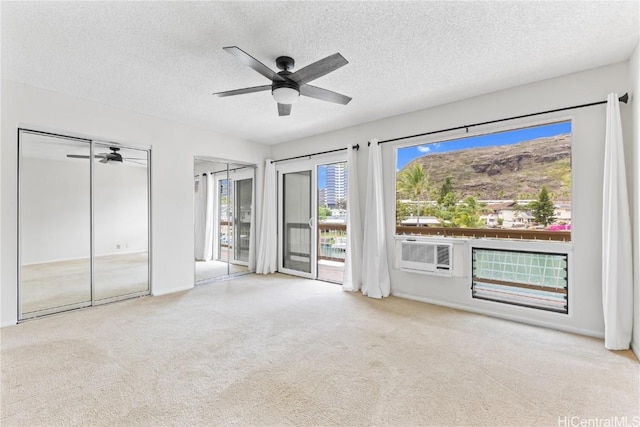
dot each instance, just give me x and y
(310, 164)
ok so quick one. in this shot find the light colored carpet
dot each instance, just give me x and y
(278, 350)
(207, 270)
(61, 283)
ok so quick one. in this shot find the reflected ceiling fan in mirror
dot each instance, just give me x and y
(286, 86)
(112, 157)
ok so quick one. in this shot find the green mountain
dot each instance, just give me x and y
(515, 171)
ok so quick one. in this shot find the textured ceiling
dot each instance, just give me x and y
(165, 58)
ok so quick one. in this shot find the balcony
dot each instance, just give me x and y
(332, 245)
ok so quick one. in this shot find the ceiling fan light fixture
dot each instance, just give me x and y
(285, 95)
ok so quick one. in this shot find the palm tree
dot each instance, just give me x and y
(414, 182)
(468, 213)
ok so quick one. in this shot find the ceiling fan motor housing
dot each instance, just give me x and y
(114, 156)
(285, 63)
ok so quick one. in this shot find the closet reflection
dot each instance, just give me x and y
(83, 223)
(224, 219)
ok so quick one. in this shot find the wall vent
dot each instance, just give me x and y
(426, 257)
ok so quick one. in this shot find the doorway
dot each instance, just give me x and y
(312, 218)
(224, 194)
(84, 217)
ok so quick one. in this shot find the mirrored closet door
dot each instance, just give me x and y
(224, 219)
(83, 223)
(121, 223)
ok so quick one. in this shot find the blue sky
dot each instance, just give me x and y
(407, 154)
(322, 177)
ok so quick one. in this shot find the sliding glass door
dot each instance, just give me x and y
(83, 223)
(332, 215)
(297, 245)
(242, 218)
(311, 218)
(224, 219)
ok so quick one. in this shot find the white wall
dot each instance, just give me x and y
(174, 146)
(634, 87)
(55, 213)
(120, 212)
(588, 149)
(55, 209)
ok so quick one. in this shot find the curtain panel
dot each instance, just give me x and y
(617, 273)
(375, 268)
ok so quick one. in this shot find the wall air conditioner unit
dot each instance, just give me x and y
(426, 257)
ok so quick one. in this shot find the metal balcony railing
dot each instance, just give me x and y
(500, 233)
(332, 241)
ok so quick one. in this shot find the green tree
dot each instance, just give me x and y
(468, 213)
(445, 190)
(542, 209)
(414, 183)
(446, 206)
(323, 212)
(403, 211)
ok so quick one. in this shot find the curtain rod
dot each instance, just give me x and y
(355, 147)
(624, 98)
(230, 170)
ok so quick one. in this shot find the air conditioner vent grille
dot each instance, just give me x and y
(427, 257)
(443, 255)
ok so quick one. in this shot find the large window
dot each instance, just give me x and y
(512, 184)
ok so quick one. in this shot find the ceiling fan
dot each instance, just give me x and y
(113, 156)
(286, 86)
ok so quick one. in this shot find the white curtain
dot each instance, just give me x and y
(267, 253)
(617, 274)
(204, 218)
(352, 280)
(375, 269)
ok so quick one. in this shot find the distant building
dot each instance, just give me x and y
(506, 215)
(322, 197)
(562, 211)
(336, 190)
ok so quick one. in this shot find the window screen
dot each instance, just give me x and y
(530, 279)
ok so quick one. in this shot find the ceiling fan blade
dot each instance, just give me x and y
(284, 109)
(253, 63)
(243, 91)
(324, 94)
(318, 69)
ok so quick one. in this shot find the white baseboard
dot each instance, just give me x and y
(5, 324)
(565, 328)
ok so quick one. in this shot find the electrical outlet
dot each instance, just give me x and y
(118, 246)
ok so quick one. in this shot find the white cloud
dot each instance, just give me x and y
(424, 148)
